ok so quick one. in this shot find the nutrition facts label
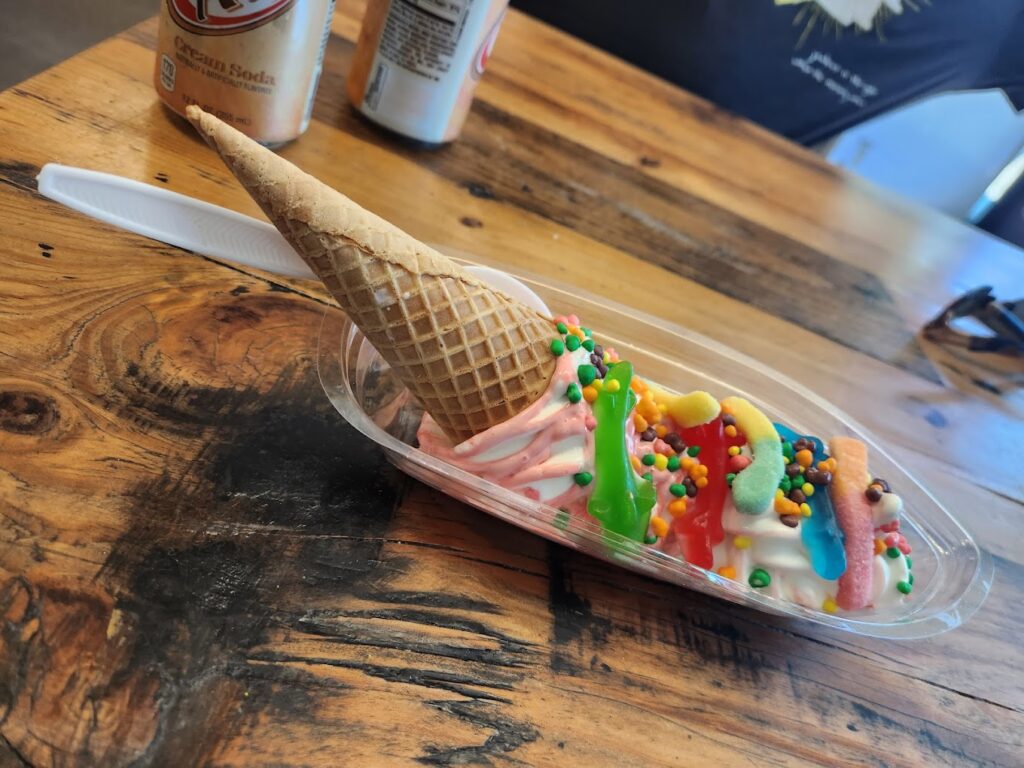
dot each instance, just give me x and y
(422, 35)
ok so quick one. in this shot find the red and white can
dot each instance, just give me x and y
(253, 63)
(417, 63)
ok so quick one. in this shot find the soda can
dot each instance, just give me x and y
(417, 63)
(254, 64)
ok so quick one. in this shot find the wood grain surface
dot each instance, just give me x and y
(202, 564)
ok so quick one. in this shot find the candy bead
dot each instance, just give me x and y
(829, 605)
(904, 587)
(588, 344)
(562, 328)
(648, 460)
(590, 394)
(557, 347)
(759, 578)
(741, 542)
(804, 458)
(677, 508)
(701, 482)
(572, 343)
(893, 552)
(730, 431)
(612, 386)
(727, 571)
(673, 464)
(583, 478)
(734, 450)
(639, 422)
(660, 461)
(572, 392)
(805, 509)
(677, 489)
(808, 489)
(586, 373)
(659, 526)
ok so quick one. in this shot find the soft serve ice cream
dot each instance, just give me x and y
(715, 483)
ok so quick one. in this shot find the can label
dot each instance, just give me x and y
(254, 64)
(417, 63)
(214, 17)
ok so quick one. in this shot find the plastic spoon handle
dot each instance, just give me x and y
(172, 218)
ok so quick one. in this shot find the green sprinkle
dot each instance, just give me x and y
(588, 344)
(572, 343)
(573, 393)
(786, 485)
(587, 374)
(648, 476)
(557, 347)
(910, 563)
(583, 478)
(904, 587)
(650, 539)
(729, 478)
(586, 332)
(759, 577)
(910, 579)
(562, 519)
(787, 450)
(677, 489)
(562, 328)
(693, 450)
(673, 464)
(648, 459)
(892, 552)
(797, 482)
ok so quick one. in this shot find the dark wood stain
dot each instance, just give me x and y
(27, 413)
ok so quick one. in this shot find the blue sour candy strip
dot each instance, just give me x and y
(820, 533)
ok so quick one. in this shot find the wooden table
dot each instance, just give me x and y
(202, 564)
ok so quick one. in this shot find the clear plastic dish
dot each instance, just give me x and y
(952, 574)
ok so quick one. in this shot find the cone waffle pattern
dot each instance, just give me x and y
(473, 356)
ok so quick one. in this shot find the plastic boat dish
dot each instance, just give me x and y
(953, 575)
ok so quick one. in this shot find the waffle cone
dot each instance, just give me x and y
(473, 356)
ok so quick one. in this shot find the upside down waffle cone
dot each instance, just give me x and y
(473, 356)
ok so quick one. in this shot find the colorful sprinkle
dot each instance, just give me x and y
(701, 482)
(648, 460)
(650, 539)
(730, 431)
(693, 450)
(588, 344)
(660, 461)
(727, 571)
(904, 587)
(892, 552)
(572, 343)
(586, 373)
(659, 526)
(660, 430)
(677, 508)
(805, 509)
(639, 422)
(759, 578)
(573, 393)
(829, 605)
(742, 542)
(729, 478)
(808, 489)
(583, 478)
(673, 464)
(677, 489)
(562, 328)
(557, 347)
(879, 546)
(590, 394)
(612, 386)
(804, 458)
(734, 450)
(636, 464)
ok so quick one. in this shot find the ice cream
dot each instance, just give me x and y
(715, 483)
(537, 405)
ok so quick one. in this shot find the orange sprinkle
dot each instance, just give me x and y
(637, 385)
(590, 395)
(701, 482)
(804, 458)
(726, 408)
(687, 463)
(677, 508)
(879, 546)
(659, 526)
(727, 571)
(730, 431)
(660, 430)
(702, 470)
(637, 464)
(639, 422)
